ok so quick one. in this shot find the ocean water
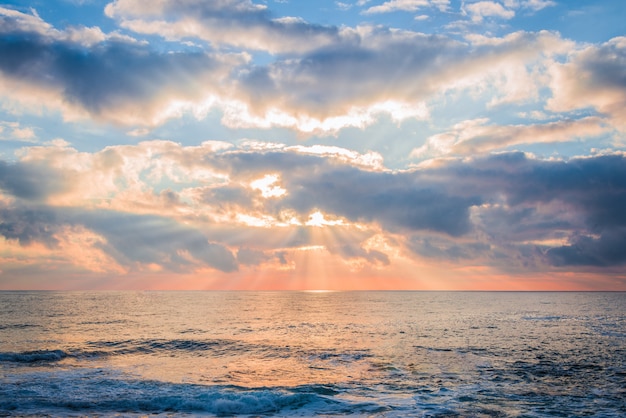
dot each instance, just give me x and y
(378, 354)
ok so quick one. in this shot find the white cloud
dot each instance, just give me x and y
(536, 5)
(269, 186)
(477, 137)
(370, 160)
(14, 131)
(478, 11)
(138, 132)
(407, 5)
(238, 23)
(592, 78)
(343, 6)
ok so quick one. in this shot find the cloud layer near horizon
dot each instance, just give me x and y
(509, 211)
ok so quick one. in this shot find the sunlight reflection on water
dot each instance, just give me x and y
(387, 353)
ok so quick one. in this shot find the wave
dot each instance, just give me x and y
(33, 356)
(221, 347)
(18, 326)
(91, 393)
(214, 348)
(543, 318)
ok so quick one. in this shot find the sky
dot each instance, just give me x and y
(302, 145)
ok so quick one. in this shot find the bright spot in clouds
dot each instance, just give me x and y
(317, 219)
(267, 186)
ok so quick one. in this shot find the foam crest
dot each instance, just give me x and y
(89, 390)
(33, 356)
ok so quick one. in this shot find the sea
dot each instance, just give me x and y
(312, 354)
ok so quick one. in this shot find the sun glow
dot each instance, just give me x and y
(267, 186)
(318, 219)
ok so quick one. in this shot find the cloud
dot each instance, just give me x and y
(118, 81)
(594, 77)
(117, 176)
(508, 211)
(388, 71)
(13, 131)
(536, 5)
(247, 256)
(133, 241)
(587, 250)
(515, 203)
(440, 248)
(560, 199)
(148, 239)
(31, 182)
(397, 201)
(593, 186)
(29, 224)
(407, 5)
(15, 21)
(479, 10)
(345, 78)
(465, 96)
(365, 73)
(486, 16)
(393, 72)
(475, 136)
(237, 23)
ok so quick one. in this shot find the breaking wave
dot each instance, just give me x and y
(90, 392)
(33, 356)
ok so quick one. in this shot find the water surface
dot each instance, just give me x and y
(394, 354)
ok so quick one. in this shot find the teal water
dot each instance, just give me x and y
(381, 354)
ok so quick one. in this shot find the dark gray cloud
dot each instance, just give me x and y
(503, 226)
(507, 201)
(582, 200)
(251, 164)
(30, 224)
(359, 71)
(30, 181)
(353, 251)
(593, 187)
(109, 78)
(447, 249)
(396, 200)
(607, 250)
(155, 239)
(225, 198)
(130, 238)
(605, 66)
(250, 257)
